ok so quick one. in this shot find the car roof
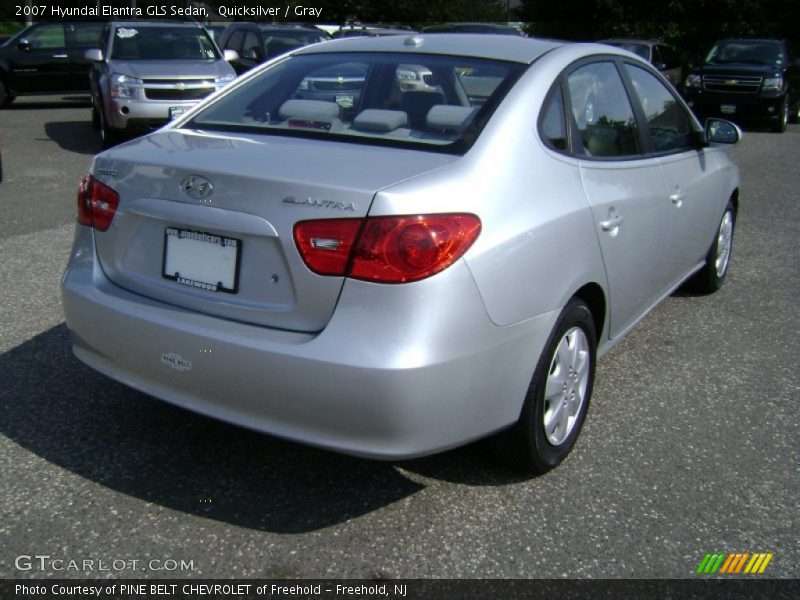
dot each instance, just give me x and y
(624, 40)
(745, 39)
(186, 24)
(456, 25)
(477, 45)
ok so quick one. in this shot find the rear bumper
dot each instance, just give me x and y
(399, 372)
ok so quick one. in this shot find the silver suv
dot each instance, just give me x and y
(147, 73)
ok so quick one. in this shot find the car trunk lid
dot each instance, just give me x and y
(192, 204)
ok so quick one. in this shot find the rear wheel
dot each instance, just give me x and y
(711, 277)
(558, 397)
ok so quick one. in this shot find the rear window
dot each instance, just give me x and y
(396, 99)
(138, 42)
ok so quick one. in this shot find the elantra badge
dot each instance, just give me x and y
(308, 201)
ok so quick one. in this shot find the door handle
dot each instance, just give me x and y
(612, 223)
(677, 198)
(60, 56)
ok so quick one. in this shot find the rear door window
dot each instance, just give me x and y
(602, 111)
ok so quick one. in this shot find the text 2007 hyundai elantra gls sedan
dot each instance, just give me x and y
(399, 269)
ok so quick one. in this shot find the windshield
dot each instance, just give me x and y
(396, 99)
(746, 51)
(286, 40)
(162, 43)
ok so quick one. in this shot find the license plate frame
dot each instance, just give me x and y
(177, 111)
(203, 257)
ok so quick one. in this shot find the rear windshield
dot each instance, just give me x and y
(162, 43)
(747, 52)
(396, 99)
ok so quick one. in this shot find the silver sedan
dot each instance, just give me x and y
(390, 270)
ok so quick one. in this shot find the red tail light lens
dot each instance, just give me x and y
(387, 249)
(97, 203)
(404, 249)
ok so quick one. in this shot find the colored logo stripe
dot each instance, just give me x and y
(734, 563)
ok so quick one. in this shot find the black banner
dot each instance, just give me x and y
(404, 589)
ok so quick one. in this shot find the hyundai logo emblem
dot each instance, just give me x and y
(196, 187)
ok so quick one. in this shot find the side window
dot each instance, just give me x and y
(670, 127)
(602, 111)
(235, 41)
(86, 35)
(251, 49)
(47, 37)
(553, 124)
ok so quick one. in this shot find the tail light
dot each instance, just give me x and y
(97, 203)
(386, 249)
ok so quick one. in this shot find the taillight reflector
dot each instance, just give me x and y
(386, 249)
(97, 203)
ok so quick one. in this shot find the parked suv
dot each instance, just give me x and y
(47, 58)
(256, 43)
(146, 73)
(747, 80)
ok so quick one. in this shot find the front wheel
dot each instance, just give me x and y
(5, 97)
(558, 397)
(713, 273)
(108, 135)
(779, 126)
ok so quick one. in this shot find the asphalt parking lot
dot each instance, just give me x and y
(691, 444)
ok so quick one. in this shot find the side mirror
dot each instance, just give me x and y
(230, 55)
(720, 131)
(94, 55)
(24, 45)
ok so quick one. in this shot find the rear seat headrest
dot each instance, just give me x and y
(309, 109)
(449, 117)
(374, 119)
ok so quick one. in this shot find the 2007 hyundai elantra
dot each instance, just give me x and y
(393, 246)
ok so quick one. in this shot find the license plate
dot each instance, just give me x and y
(727, 109)
(345, 101)
(177, 111)
(201, 260)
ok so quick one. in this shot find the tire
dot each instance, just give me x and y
(715, 270)
(795, 116)
(779, 126)
(95, 117)
(5, 97)
(108, 136)
(558, 396)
